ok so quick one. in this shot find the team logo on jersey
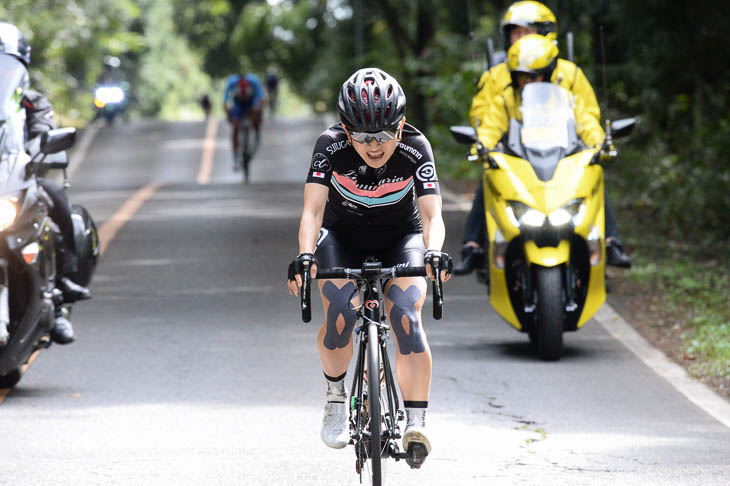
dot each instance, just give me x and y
(427, 172)
(320, 163)
(334, 147)
(363, 169)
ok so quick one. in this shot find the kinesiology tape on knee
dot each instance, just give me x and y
(339, 306)
(404, 304)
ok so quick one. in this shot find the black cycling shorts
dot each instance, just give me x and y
(336, 250)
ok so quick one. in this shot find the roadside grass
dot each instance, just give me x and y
(689, 282)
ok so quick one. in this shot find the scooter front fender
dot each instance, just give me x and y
(547, 256)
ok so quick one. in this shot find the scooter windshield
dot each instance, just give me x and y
(547, 116)
(547, 131)
(13, 80)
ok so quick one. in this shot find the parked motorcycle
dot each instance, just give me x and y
(544, 204)
(28, 295)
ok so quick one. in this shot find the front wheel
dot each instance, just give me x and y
(374, 405)
(11, 379)
(548, 333)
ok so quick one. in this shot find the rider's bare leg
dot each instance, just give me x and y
(256, 120)
(403, 304)
(235, 125)
(334, 339)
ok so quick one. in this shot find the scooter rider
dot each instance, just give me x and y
(39, 119)
(372, 190)
(523, 18)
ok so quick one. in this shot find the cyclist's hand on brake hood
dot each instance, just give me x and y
(296, 271)
(446, 264)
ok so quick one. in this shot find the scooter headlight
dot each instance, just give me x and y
(8, 212)
(572, 211)
(520, 213)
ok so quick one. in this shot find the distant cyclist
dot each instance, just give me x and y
(272, 88)
(243, 97)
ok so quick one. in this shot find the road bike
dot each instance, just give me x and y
(248, 143)
(375, 408)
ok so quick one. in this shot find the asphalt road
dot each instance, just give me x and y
(191, 365)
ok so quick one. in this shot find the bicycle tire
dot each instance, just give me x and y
(374, 405)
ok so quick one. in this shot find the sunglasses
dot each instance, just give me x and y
(380, 137)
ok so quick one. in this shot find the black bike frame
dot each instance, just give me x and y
(372, 323)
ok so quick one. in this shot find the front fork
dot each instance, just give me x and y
(569, 284)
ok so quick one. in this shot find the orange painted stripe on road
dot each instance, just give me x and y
(111, 227)
(107, 232)
(206, 160)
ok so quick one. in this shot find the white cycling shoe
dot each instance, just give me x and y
(335, 428)
(416, 443)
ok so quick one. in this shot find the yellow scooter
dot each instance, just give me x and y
(544, 204)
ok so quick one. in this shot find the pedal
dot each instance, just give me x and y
(416, 455)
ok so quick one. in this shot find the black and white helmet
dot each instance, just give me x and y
(14, 43)
(371, 100)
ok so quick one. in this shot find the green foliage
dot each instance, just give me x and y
(169, 71)
(664, 63)
(700, 288)
(69, 41)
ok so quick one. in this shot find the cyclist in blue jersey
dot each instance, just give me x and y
(243, 97)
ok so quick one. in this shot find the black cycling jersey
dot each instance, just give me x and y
(373, 203)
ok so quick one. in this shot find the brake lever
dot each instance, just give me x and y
(306, 298)
(437, 289)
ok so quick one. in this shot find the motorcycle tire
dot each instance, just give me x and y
(11, 379)
(548, 334)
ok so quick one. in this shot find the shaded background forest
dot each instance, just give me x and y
(666, 62)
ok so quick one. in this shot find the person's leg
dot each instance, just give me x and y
(404, 301)
(67, 260)
(334, 342)
(615, 253)
(235, 126)
(256, 116)
(472, 253)
(61, 215)
(403, 304)
(404, 298)
(334, 339)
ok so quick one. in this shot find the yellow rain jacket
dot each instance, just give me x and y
(496, 103)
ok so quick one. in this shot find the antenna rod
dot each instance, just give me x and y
(490, 53)
(608, 140)
(603, 70)
(569, 40)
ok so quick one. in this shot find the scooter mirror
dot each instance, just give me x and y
(621, 128)
(464, 134)
(54, 141)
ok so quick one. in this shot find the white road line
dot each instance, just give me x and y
(696, 392)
